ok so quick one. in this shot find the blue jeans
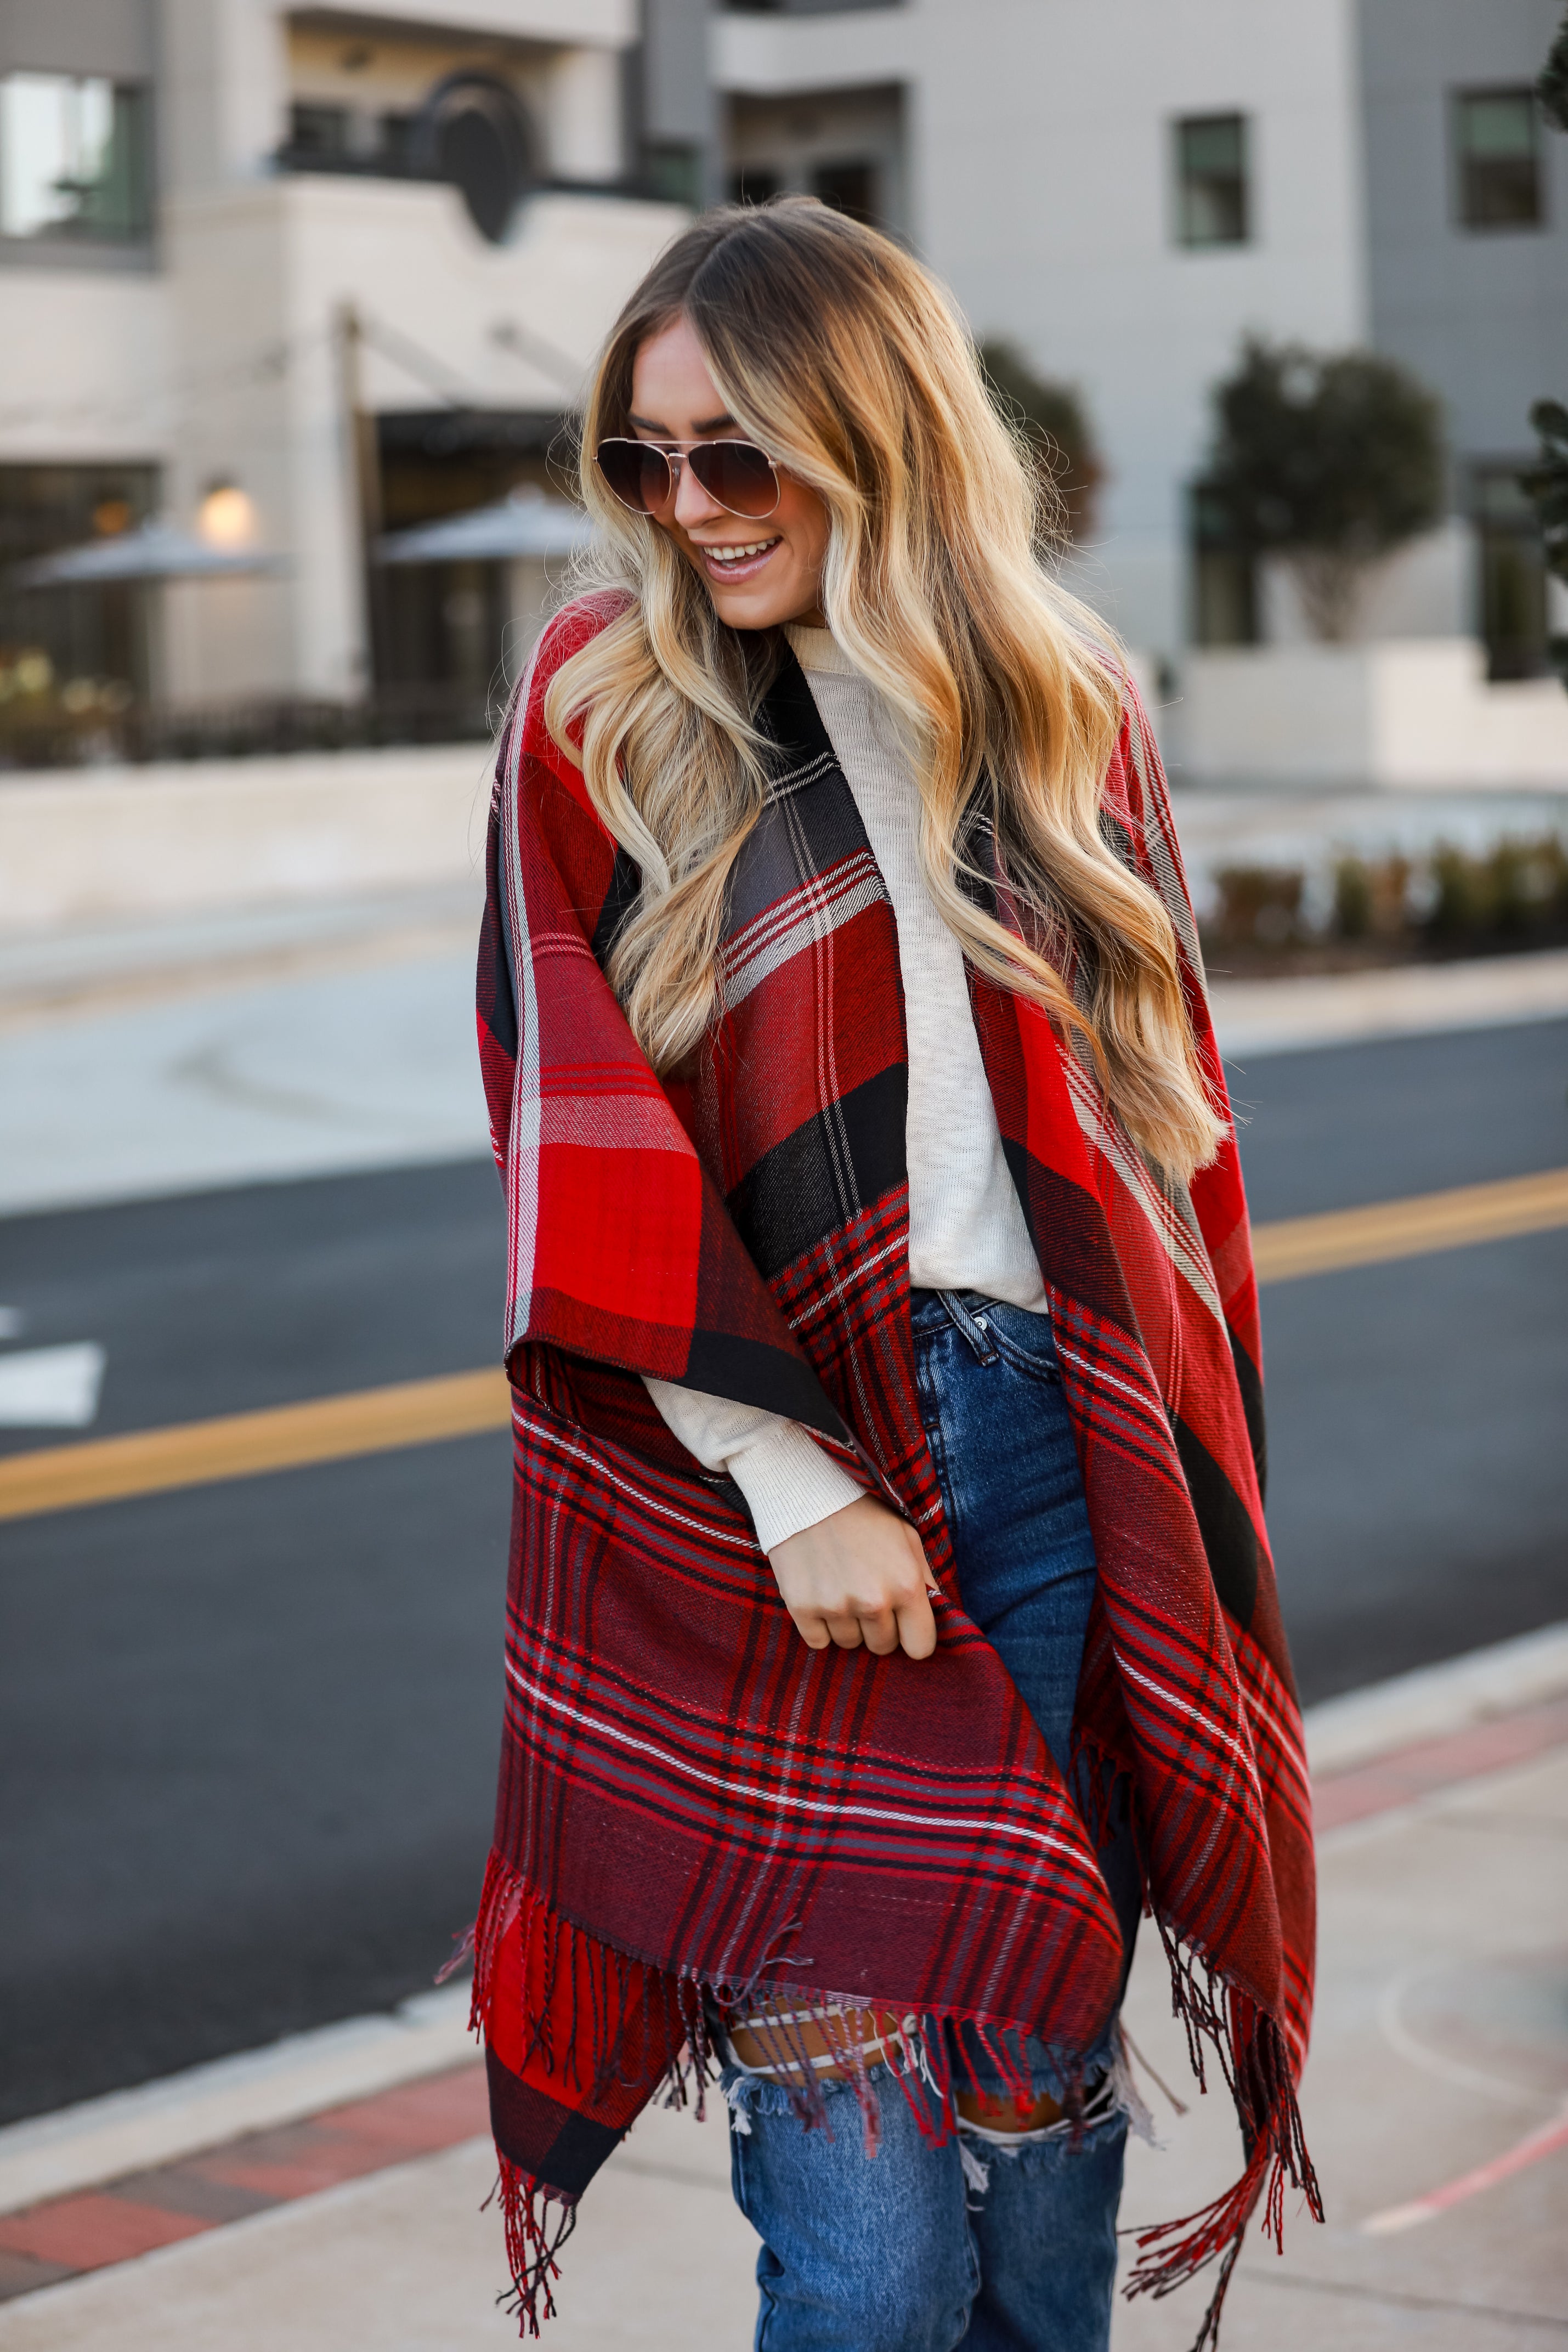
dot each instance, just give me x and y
(906, 2252)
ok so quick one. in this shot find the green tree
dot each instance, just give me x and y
(1546, 483)
(1051, 418)
(1329, 461)
(1547, 480)
(1551, 87)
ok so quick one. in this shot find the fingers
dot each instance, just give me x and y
(917, 1626)
(880, 1633)
(858, 1580)
(877, 1630)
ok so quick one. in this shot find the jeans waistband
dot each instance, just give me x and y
(969, 1311)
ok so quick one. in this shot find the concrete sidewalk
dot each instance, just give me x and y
(317, 1039)
(1435, 2104)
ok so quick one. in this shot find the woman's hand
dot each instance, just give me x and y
(858, 1576)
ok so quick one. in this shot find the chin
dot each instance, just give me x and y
(738, 611)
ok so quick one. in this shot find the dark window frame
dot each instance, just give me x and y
(1512, 587)
(1184, 180)
(1471, 222)
(84, 244)
(1224, 589)
(102, 632)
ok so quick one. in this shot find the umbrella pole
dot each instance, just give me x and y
(365, 465)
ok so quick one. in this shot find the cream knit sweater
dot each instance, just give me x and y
(966, 1230)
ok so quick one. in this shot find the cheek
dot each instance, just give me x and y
(805, 520)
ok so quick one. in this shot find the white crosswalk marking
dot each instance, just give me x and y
(51, 1388)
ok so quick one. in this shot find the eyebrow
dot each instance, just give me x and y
(704, 425)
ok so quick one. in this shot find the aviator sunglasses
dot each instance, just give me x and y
(736, 474)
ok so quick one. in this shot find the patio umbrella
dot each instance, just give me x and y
(153, 550)
(526, 523)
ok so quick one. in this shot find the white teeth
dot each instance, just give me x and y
(737, 554)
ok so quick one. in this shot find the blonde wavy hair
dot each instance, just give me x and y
(844, 359)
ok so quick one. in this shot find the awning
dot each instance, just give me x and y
(153, 550)
(526, 523)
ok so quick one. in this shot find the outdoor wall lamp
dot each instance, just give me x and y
(226, 516)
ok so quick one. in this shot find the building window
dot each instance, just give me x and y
(673, 170)
(1511, 568)
(1223, 601)
(752, 186)
(73, 159)
(1211, 179)
(473, 131)
(850, 186)
(1496, 144)
(846, 147)
(72, 660)
(317, 133)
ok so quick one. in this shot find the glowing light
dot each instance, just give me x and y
(226, 517)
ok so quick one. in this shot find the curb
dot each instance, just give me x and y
(257, 2090)
(1293, 1016)
(1436, 1701)
(1441, 1724)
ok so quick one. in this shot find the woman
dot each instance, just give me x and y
(890, 1611)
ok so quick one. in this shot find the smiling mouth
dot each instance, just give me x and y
(739, 562)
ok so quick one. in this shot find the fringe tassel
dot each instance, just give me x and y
(532, 2245)
(617, 1996)
(1252, 2054)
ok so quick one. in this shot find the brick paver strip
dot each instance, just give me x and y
(21, 2274)
(1434, 1764)
(87, 2231)
(93, 2228)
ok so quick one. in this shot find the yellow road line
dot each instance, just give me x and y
(422, 1413)
(240, 1444)
(1393, 1229)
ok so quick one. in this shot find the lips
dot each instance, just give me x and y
(743, 561)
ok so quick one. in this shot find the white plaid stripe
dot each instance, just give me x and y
(803, 919)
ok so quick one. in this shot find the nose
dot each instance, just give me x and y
(693, 504)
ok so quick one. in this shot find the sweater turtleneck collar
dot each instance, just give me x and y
(817, 649)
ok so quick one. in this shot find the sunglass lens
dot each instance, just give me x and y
(737, 473)
(637, 473)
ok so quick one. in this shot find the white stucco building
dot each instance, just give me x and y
(1127, 189)
(342, 265)
(347, 263)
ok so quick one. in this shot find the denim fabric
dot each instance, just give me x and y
(858, 2256)
(897, 2254)
(997, 1419)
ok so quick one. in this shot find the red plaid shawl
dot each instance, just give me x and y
(692, 1802)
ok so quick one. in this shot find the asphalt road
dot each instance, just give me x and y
(247, 1732)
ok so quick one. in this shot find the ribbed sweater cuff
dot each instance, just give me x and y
(790, 1484)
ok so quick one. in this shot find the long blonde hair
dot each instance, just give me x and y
(844, 359)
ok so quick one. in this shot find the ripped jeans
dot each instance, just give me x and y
(999, 2245)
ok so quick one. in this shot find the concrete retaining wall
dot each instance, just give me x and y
(1413, 711)
(83, 844)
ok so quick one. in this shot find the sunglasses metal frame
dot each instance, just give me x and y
(676, 453)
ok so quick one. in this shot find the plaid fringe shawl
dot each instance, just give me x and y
(695, 1809)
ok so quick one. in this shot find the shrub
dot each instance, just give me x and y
(1517, 887)
(1258, 905)
(1051, 419)
(1352, 899)
(1371, 899)
(1329, 461)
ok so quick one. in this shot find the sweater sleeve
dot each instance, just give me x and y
(789, 1481)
